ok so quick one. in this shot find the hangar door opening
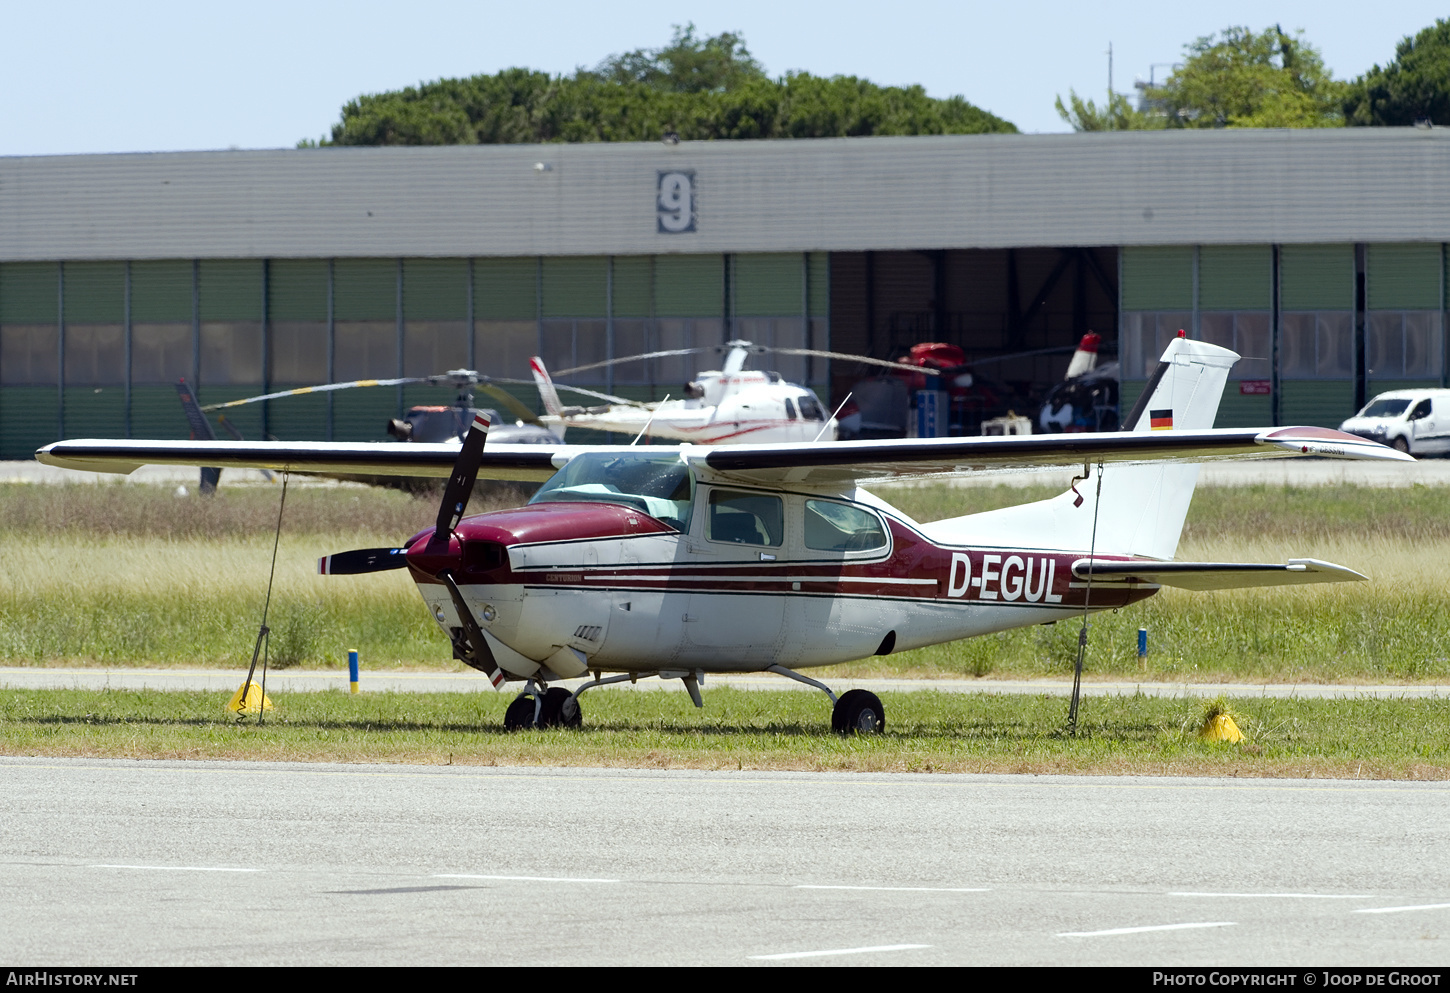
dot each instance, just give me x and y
(1015, 313)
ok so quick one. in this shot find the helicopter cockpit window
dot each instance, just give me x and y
(789, 410)
(661, 486)
(838, 527)
(746, 518)
(811, 409)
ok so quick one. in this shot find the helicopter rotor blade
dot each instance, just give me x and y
(633, 358)
(325, 388)
(510, 403)
(865, 359)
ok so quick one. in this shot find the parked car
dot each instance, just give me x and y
(1414, 421)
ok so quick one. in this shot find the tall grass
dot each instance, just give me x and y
(132, 575)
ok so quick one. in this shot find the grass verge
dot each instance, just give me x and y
(926, 732)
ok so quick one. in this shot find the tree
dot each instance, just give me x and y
(1415, 86)
(1239, 79)
(698, 88)
(1118, 115)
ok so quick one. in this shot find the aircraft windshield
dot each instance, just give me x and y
(660, 485)
(1385, 408)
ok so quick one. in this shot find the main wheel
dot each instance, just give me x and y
(858, 712)
(560, 709)
(520, 714)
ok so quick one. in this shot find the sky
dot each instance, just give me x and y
(82, 77)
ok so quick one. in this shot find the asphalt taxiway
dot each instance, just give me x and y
(206, 863)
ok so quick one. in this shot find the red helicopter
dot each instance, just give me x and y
(679, 562)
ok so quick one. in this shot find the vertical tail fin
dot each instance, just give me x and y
(1142, 507)
(547, 393)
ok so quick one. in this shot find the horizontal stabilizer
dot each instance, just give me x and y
(1214, 575)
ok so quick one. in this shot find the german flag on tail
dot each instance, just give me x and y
(1160, 420)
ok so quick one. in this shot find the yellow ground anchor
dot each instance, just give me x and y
(257, 701)
(1218, 723)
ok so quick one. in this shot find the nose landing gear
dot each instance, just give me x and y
(554, 707)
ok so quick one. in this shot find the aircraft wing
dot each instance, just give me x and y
(1213, 575)
(846, 461)
(522, 462)
(819, 464)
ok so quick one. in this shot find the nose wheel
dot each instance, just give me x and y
(554, 708)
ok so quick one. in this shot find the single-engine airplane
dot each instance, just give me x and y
(682, 562)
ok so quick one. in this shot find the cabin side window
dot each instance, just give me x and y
(745, 518)
(839, 527)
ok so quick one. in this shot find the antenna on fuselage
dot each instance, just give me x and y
(651, 420)
(830, 419)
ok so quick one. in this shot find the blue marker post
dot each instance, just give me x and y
(1142, 643)
(352, 668)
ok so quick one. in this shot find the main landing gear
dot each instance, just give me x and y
(554, 707)
(856, 712)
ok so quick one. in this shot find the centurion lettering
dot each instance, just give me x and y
(1026, 578)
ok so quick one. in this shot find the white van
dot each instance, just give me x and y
(1414, 421)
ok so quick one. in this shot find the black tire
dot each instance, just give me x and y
(858, 712)
(560, 709)
(520, 714)
(1401, 445)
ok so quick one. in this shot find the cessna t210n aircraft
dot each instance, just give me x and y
(678, 562)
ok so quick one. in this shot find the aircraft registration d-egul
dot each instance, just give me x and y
(678, 562)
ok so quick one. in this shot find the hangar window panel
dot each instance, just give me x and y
(95, 354)
(574, 287)
(571, 343)
(29, 293)
(1317, 345)
(1402, 277)
(230, 289)
(506, 289)
(1235, 277)
(365, 289)
(633, 337)
(161, 291)
(1316, 277)
(678, 333)
(503, 348)
(28, 354)
(1405, 345)
(432, 347)
(746, 518)
(435, 289)
(690, 285)
(768, 284)
(365, 350)
(633, 286)
(1157, 278)
(231, 352)
(95, 292)
(160, 353)
(1245, 332)
(297, 290)
(1145, 335)
(820, 284)
(298, 353)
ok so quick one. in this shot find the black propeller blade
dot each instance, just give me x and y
(362, 560)
(460, 484)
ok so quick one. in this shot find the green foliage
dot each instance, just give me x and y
(1415, 86)
(1118, 115)
(1240, 79)
(700, 89)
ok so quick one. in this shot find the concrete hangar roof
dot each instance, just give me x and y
(838, 194)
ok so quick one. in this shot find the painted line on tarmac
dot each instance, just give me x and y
(901, 889)
(1284, 896)
(1399, 910)
(520, 879)
(176, 868)
(834, 951)
(1142, 930)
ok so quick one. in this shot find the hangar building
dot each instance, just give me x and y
(1318, 255)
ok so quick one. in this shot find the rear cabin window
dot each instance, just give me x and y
(746, 518)
(839, 527)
